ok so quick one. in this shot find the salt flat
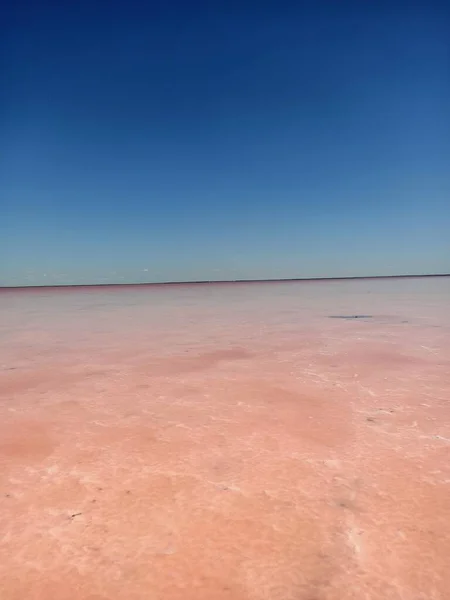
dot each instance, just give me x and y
(243, 441)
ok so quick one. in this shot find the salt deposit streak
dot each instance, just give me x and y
(226, 442)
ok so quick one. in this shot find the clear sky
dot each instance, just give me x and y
(192, 140)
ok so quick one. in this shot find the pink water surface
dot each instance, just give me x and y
(226, 442)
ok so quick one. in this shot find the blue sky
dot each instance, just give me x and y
(194, 140)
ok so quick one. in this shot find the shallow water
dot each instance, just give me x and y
(226, 441)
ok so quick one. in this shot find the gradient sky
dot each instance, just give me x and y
(223, 140)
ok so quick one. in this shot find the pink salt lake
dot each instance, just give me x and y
(206, 442)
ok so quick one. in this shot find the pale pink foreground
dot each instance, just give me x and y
(226, 442)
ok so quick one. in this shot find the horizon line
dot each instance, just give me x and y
(220, 281)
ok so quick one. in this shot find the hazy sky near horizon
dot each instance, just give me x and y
(230, 140)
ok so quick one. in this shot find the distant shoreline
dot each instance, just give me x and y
(217, 282)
